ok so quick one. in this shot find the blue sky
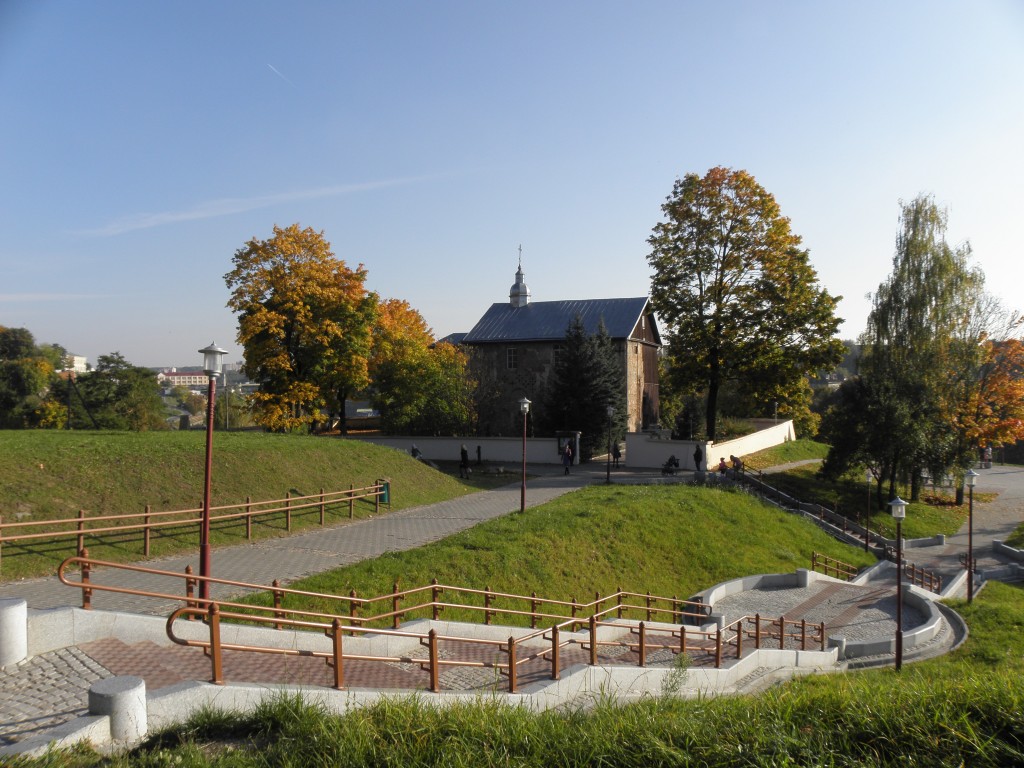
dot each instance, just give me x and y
(142, 144)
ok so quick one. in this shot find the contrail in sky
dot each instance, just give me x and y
(231, 205)
(274, 70)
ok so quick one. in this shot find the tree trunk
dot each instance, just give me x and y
(915, 485)
(711, 408)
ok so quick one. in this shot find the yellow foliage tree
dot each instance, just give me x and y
(304, 322)
(418, 386)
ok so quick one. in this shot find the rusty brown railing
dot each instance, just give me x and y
(922, 577)
(605, 615)
(832, 567)
(149, 521)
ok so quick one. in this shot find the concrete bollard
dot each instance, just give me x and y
(837, 641)
(13, 630)
(123, 700)
(803, 578)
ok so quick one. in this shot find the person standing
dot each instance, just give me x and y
(464, 461)
(616, 455)
(567, 457)
(698, 457)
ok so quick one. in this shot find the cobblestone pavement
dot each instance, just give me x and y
(42, 692)
(52, 688)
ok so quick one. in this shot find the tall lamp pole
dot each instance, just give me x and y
(970, 479)
(899, 511)
(867, 516)
(608, 470)
(212, 368)
(524, 407)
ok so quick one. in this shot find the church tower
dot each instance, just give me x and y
(519, 294)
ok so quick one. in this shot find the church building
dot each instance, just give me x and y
(514, 345)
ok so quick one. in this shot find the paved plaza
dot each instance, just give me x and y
(52, 688)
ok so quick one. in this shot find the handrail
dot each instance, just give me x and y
(640, 638)
(154, 521)
(830, 566)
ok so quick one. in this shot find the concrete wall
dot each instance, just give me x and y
(503, 450)
(652, 450)
(643, 449)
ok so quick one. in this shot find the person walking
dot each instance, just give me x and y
(616, 455)
(567, 457)
(464, 461)
(698, 457)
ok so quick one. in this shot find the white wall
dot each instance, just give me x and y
(647, 450)
(506, 450)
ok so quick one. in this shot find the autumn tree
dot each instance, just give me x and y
(736, 292)
(418, 386)
(585, 379)
(304, 320)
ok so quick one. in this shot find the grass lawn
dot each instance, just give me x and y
(50, 475)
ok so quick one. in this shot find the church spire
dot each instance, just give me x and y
(519, 294)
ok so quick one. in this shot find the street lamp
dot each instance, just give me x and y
(524, 407)
(867, 517)
(211, 367)
(899, 511)
(608, 471)
(970, 479)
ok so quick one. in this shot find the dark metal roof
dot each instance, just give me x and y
(548, 320)
(452, 338)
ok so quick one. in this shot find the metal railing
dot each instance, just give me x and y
(148, 522)
(565, 619)
(922, 577)
(832, 567)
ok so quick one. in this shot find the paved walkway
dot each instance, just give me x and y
(46, 690)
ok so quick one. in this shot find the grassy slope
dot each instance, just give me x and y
(792, 450)
(51, 475)
(674, 540)
(935, 513)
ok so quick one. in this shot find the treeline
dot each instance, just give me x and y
(38, 389)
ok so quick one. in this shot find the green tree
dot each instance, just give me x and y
(304, 320)
(736, 292)
(939, 375)
(585, 379)
(914, 341)
(119, 395)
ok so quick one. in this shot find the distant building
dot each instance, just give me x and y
(76, 363)
(514, 345)
(176, 378)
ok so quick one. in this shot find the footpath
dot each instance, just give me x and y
(47, 690)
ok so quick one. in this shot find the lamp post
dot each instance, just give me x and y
(970, 479)
(608, 471)
(524, 407)
(899, 511)
(867, 516)
(211, 367)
